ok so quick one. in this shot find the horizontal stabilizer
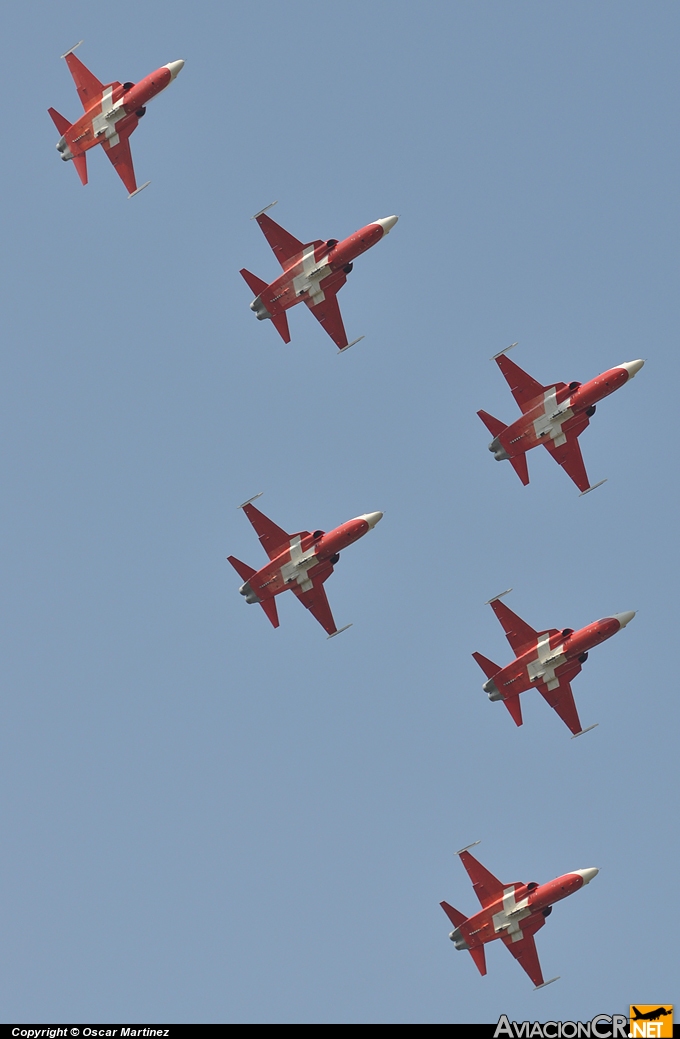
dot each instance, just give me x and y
(61, 124)
(454, 916)
(280, 323)
(494, 425)
(242, 569)
(479, 957)
(254, 283)
(269, 607)
(519, 464)
(515, 708)
(488, 667)
(80, 163)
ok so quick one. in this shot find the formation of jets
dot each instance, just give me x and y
(553, 416)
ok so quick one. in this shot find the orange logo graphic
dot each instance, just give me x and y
(651, 1021)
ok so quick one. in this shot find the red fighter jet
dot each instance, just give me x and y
(112, 112)
(545, 660)
(314, 273)
(301, 562)
(554, 416)
(511, 912)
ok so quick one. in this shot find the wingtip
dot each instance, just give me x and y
(584, 731)
(354, 342)
(254, 498)
(71, 49)
(261, 211)
(594, 487)
(546, 983)
(499, 596)
(504, 350)
(339, 631)
(137, 190)
(468, 846)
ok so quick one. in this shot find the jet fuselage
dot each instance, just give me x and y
(308, 558)
(117, 112)
(558, 413)
(320, 268)
(558, 653)
(521, 910)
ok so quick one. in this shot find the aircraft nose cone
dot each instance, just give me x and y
(387, 223)
(372, 518)
(175, 67)
(632, 367)
(624, 618)
(587, 874)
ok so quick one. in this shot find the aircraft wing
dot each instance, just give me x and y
(88, 86)
(561, 699)
(272, 538)
(327, 313)
(486, 887)
(569, 456)
(316, 601)
(519, 634)
(284, 245)
(121, 159)
(524, 950)
(524, 389)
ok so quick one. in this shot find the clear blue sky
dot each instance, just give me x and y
(204, 819)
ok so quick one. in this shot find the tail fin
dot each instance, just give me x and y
(256, 285)
(242, 569)
(488, 667)
(519, 464)
(269, 607)
(454, 916)
(246, 572)
(61, 124)
(280, 323)
(494, 425)
(514, 706)
(479, 958)
(80, 163)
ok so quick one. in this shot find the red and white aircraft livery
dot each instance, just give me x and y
(554, 416)
(314, 272)
(511, 912)
(545, 660)
(301, 562)
(112, 112)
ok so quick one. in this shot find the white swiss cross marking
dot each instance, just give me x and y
(512, 912)
(310, 279)
(300, 563)
(546, 663)
(104, 124)
(550, 423)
